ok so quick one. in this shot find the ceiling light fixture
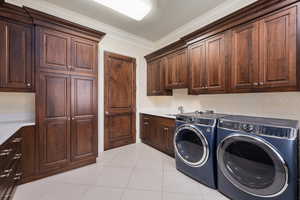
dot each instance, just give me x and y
(136, 9)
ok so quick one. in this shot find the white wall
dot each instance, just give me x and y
(16, 103)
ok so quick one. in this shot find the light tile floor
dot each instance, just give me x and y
(134, 172)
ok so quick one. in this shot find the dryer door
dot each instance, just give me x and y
(252, 165)
(191, 145)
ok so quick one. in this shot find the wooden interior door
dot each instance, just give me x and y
(120, 100)
(53, 99)
(197, 68)
(17, 68)
(278, 49)
(215, 63)
(245, 57)
(84, 137)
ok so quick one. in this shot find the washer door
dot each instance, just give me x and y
(191, 145)
(253, 165)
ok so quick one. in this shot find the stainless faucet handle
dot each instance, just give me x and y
(180, 109)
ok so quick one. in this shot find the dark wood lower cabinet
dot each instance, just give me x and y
(29, 153)
(10, 166)
(158, 132)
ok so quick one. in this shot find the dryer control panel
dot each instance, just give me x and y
(257, 129)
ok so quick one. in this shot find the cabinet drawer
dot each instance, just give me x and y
(9, 183)
(9, 151)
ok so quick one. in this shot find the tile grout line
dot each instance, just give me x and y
(162, 181)
(129, 179)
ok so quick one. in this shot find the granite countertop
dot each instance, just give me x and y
(165, 115)
(10, 124)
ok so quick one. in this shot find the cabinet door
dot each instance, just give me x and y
(171, 71)
(215, 63)
(152, 78)
(53, 100)
(145, 128)
(169, 131)
(197, 68)
(245, 57)
(17, 67)
(156, 78)
(54, 50)
(182, 69)
(278, 49)
(84, 137)
(84, 56)
(29, 152)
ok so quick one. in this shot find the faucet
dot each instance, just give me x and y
(181, 109)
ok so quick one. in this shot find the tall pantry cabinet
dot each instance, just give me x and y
(66, 59)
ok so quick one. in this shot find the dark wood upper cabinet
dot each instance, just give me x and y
(176, 70)
(182, 69)
(54, 121)
(16, 70)
(171, 71)
(84, 56)
(245, 57)
(84, 118)
(55, 49)
(207, 66)
(278, 49)
(197, 68)
(156, 78)
(66, 53)
(251, 50)
(215, 63)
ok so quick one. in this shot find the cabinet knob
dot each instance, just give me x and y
(28, 84)
(261, 83)
(146, 123)
(255, 84)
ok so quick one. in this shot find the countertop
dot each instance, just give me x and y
(169, 116)
(9, 128)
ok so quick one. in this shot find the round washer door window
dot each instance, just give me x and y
(252, 165)
(191, 145)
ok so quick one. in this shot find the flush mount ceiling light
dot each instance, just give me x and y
(136, 9)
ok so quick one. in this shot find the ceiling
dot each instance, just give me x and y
(166, 16)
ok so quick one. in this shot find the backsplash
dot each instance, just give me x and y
(18, 105)
(278, 105)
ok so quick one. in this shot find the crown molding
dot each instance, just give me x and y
(224, 9)
(112, 32)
